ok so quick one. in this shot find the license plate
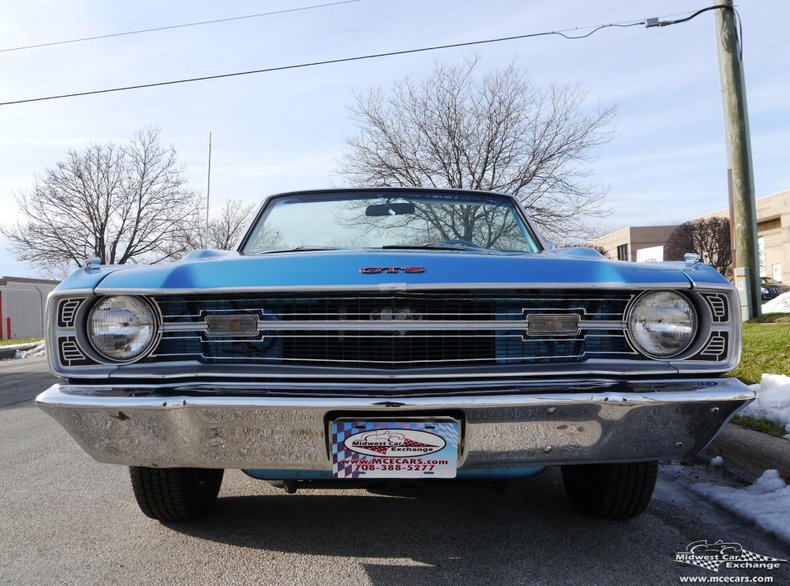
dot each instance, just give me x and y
(380, 448)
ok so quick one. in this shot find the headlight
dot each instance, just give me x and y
(121, 328)
(662, 324)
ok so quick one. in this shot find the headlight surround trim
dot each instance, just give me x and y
(147, 313)
(634, 336)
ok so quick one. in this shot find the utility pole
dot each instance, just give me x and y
(208, 190)
(740, 179)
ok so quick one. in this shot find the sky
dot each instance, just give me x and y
(285, 131)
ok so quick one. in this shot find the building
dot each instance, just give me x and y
(646, 243)
(636, 243)
(773, 234)
(22, 304)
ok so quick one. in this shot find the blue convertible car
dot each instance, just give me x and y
(363, 335)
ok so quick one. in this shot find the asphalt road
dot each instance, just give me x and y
(22, 380)
(65, 519)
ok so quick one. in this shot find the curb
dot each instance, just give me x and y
(6, 353)
(751, 451)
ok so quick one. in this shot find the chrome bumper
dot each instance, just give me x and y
(609, 422)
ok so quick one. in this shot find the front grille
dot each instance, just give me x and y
(396, 331)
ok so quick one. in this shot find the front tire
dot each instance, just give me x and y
(175, 494)
(610, 491)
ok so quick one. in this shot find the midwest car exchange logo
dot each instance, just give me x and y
(733, 556)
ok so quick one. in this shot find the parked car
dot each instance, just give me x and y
(364, 335)
(771, 288)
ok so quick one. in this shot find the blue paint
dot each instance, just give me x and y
(89, 278)
(289, 474)
(509, 473)
(341, 269)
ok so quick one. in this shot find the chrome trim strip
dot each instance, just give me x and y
(343, 389)
(195, 326)
(192, 369)
(389, 287)
(385, 334)
(71, 293)
(671, 391)
(392, 325)
(389, 325)
(634, 423)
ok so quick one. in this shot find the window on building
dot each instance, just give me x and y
(622, 252)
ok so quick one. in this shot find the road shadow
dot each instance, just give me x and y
(455, 535)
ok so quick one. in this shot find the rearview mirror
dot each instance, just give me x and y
(389, 209)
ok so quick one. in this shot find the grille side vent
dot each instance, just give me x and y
(70, 353)
(67, 311)
(717, 302)
(715, 348)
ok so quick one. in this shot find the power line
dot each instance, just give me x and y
(694, 14)
(653, 22)
(312, 64)
(647, 22)
(175, 26)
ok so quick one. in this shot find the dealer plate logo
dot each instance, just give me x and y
(731, 555)
(395, 443)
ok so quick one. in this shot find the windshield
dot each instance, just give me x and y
(399, 220)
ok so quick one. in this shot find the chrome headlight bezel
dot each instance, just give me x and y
(674, 353)
(153, 316)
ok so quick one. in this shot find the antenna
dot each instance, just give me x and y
(208, 190)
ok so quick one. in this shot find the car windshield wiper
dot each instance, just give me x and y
(298, 249)
(436, 246)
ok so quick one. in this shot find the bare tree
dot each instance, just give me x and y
(708, 237)
(480, 223)
(120, 203)
(225, 230)
(499, 133)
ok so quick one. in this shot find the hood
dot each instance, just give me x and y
(340, 269)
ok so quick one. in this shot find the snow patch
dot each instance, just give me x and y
(766, 503)
(717, 461)
(38, 350)
(773, 400)
(779, 304)
(17, 346)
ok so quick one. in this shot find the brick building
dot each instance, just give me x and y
(636, 243)
(645, 243)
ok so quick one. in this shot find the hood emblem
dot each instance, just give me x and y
(390, 270)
